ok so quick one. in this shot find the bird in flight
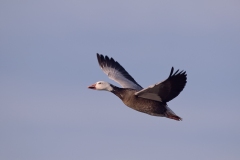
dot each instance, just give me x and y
(151, 100)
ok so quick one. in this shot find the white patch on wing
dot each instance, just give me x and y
(151, 96)
(150, 93)
(119, 78)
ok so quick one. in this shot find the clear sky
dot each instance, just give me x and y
(48, 58)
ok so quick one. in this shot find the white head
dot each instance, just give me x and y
(101, 85)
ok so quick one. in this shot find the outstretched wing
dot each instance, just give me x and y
(117, 73)
(167, 90)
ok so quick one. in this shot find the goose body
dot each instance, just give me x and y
(152, 100)
(144, 105)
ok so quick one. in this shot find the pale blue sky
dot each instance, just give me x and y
(48, 58)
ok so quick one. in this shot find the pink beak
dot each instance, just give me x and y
(92, 86)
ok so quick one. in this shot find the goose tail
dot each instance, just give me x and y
(170, 114)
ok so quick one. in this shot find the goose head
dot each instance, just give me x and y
(101, 85)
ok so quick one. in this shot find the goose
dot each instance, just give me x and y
(151, 100)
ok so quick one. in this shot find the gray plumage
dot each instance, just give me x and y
(144, 105)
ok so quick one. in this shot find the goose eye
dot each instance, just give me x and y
(99, 83)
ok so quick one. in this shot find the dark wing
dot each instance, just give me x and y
(167, 90)
(117, 73)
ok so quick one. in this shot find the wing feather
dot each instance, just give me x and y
(167, 90)
(116, 72)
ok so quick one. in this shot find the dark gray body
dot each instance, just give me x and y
(148, 106)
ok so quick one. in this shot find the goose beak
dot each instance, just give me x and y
(92, 86)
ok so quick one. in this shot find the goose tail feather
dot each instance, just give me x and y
(170, 114)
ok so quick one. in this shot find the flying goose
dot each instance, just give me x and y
(152, 100)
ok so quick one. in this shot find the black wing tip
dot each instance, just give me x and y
(177, 73)
(110, 62)
(171, 72)
(99, 58)
(104, 58)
